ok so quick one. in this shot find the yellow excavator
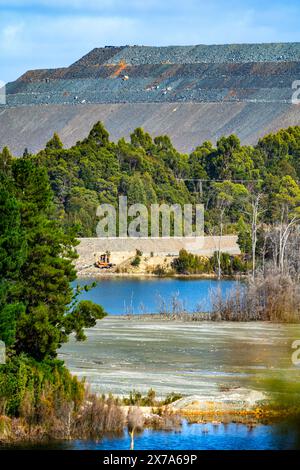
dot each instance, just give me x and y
(104, 262)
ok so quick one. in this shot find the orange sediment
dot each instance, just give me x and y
(122, 65)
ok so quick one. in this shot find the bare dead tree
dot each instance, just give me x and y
(285, 230)
(135, 423)
(254, 218)
(216, 233)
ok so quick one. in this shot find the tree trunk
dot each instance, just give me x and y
(132, 440)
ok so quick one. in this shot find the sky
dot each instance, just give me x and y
(55, 33)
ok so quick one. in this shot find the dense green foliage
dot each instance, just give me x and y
(23, 382)
(42, 400)
(148, 170)
(97, 171)
(137, 399)
(189, 263)
(38, 307)
(136, 260)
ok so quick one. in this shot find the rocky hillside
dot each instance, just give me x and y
(191, 93)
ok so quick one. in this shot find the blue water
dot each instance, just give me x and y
(202, 437)
(143, 295)
(192, 437)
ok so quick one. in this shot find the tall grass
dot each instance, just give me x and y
(268, 297)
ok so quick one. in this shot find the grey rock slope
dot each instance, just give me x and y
(192, 93)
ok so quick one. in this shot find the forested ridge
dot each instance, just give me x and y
(148, 170)
(250, 191)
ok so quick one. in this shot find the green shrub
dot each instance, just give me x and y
(171, 397)
(159, 271)
(136, 261)
(188, 263)
(22, 377)
(137, 399)
(229, 264)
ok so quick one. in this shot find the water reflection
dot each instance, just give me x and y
(194, 437)
(146, 295)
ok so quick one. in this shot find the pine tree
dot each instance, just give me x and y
(54, 143)
(45, 277)
(5, 161)
(12, 257)
(98, 135)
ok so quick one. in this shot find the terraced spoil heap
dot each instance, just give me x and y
(192, 93)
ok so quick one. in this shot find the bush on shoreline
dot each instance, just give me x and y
(44, 401)
(189, 263)
(138, 399)
(269, 297)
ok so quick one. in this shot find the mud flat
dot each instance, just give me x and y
(225, 364)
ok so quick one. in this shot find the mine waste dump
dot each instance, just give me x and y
(165, 74)
(192, 93)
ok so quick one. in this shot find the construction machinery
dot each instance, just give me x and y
(104, 261)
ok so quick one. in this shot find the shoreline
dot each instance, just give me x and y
(160, 418)
(156, 418)
(108, 275)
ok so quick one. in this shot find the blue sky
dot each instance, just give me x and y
(55, 33)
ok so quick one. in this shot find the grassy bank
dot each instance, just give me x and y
(40, 401)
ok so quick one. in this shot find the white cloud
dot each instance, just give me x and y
(10, 36)
(11, 48)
